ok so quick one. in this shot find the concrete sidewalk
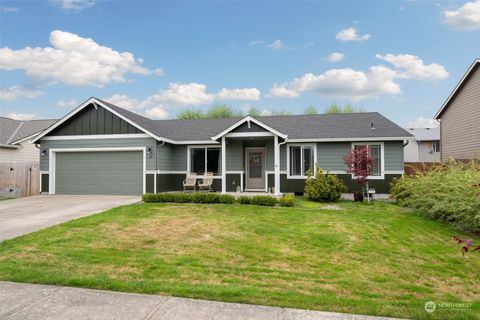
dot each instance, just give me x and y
(30, 301)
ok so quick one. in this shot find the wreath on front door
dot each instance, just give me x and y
(255, 158)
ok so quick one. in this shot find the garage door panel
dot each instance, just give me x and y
(118, 172)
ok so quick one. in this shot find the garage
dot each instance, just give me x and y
(99, 172)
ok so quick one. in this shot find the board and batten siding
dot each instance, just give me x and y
(98, 143)
(234, 155)
(93, 120)
(460, 121)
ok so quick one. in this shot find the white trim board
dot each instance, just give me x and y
(53, 156)
(249, 119)
(98, 136)
(379, 139)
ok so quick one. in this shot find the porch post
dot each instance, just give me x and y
(224, 166)
(277, 165)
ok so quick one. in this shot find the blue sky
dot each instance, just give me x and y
(158, 58)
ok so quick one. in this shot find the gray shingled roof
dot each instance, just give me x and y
(425, 134)
(13, 130)
(321, 126)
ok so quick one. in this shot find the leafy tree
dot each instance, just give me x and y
(310, 110)
(191, 114)
(348, 109)
(360, 164)
(222, 111)
(281, 113)
(333, 108)
(254, 112)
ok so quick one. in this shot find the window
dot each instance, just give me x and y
(205, 160)
(375, 151)
(301, 160)
(436, 146)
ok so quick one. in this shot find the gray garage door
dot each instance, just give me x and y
(119, 172)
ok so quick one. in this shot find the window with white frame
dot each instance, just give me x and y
(375, 151)
(301, 160)
(205, 159)
(436, 146)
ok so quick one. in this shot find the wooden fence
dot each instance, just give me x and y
(19, 179)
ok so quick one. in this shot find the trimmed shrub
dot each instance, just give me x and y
(263, 201)
(244, 200)
(226, 198)
(287, 200)
(450, 192)
(323, 187)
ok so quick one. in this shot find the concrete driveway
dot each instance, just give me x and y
(24, 215)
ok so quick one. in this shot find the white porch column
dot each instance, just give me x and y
(224, 166)
(277, 165)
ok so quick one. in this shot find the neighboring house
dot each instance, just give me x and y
(99, 148)
(16, 139)
(424, 146)
(459, 118)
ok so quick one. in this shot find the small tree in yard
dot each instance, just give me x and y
(359, 164)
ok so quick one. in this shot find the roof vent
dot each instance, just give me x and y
(371, 126)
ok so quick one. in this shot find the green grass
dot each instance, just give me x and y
(375, 259)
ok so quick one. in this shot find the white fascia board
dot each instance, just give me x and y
(459, 84)
(26, 138)
(350, 139)
(246, 119)
(98, 136)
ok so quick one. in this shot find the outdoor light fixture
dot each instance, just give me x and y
(44, 152)
(149, 151)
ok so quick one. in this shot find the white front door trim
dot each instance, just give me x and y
(263, 166)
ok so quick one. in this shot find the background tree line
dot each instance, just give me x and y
(226, 111)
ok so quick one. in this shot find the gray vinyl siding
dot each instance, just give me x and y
(269, 155)
(330, 155)
(234, 156)
(164, 156)
(93, 120)
(253, 128)
(393, 155)
(460, 122)
(98, 143)
(178, 158)
(111, 172)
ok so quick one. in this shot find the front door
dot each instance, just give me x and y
(255, 168)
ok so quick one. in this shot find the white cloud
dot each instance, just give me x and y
(21, 116)
(183, 94)
(350, 34)
(8, 9)
(410, 66)
(239, 94)
(281, 91)
(422, 122)
(355, 84)
(276, 45)
(73, 5)
(335, 57)
(344, 83)
(72, 60)
(15, 92)
(466, 17)
(67, 103)
(156, 113)
(180, 95)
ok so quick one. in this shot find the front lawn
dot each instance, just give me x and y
(375, 259)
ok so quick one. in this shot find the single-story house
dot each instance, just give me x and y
(459, 118)
(16, 139)
(100, 148)
(424, 146)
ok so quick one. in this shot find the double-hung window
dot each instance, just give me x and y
(301, 160)
(376, 152)
(205, 159)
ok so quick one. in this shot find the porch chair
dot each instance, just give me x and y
(189, 184)
(206, 183)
